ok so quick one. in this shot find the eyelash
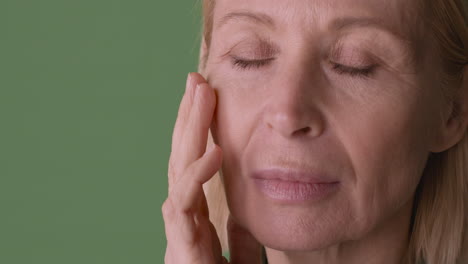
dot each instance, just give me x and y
(339, 68)
(354, 72)
(247, 64)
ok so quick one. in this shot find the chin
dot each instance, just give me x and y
(293, 225)
(296, 233)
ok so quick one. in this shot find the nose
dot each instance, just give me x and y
(292, 108)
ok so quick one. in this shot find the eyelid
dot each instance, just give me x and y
(235, 57)
(244, 63)
(350, 56)
(354, 67)
(257, 47)
(363, 72)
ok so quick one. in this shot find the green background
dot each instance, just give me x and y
(89, 91)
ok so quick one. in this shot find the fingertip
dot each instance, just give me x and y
(219, 157)
(189, 76)
(199, 77)
(211, 95)
(194, 81)
(220, 151)
(189, 82)
(216, 153)
(212, 149)
(204, 85)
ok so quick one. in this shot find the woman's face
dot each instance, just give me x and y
(328, 89)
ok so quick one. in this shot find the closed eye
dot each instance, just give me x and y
(245, 64)
(365, 72)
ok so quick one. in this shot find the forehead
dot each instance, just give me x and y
(399, 16)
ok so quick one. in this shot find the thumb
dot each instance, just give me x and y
(243, 247)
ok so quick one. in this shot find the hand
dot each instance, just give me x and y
(191, 237)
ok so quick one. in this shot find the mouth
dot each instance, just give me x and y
(294, 186)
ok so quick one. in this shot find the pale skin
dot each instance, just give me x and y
(373, 129)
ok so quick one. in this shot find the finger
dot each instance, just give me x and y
(175, 224)
(188, 190)
(180, 229)
(243, 247)
(196, 133)
(216, 244)
(180, 210)
(193, 79)
(186, 103)
(204, 206)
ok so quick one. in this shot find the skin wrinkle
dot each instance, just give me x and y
(406, 58)
(242, 14)
(370, 133)
(262, 49)
(267, 45)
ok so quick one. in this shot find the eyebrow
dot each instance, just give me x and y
(336, 25)
(256, 18)
(348, 22)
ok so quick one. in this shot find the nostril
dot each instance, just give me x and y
(304, 130)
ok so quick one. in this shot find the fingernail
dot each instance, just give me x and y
(210, 149)
(189, 82)
(197, 93)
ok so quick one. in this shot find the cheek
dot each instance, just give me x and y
(388, 150)
(235, 117)
(238, 98)
(376, 135)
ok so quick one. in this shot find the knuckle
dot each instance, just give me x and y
(167, 209)
(171, 168)
(168, 256)
(173, 172)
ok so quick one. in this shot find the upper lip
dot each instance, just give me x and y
(305, 176)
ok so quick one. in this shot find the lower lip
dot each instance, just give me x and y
(293, 191)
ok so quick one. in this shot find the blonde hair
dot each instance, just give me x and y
(438, 234)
